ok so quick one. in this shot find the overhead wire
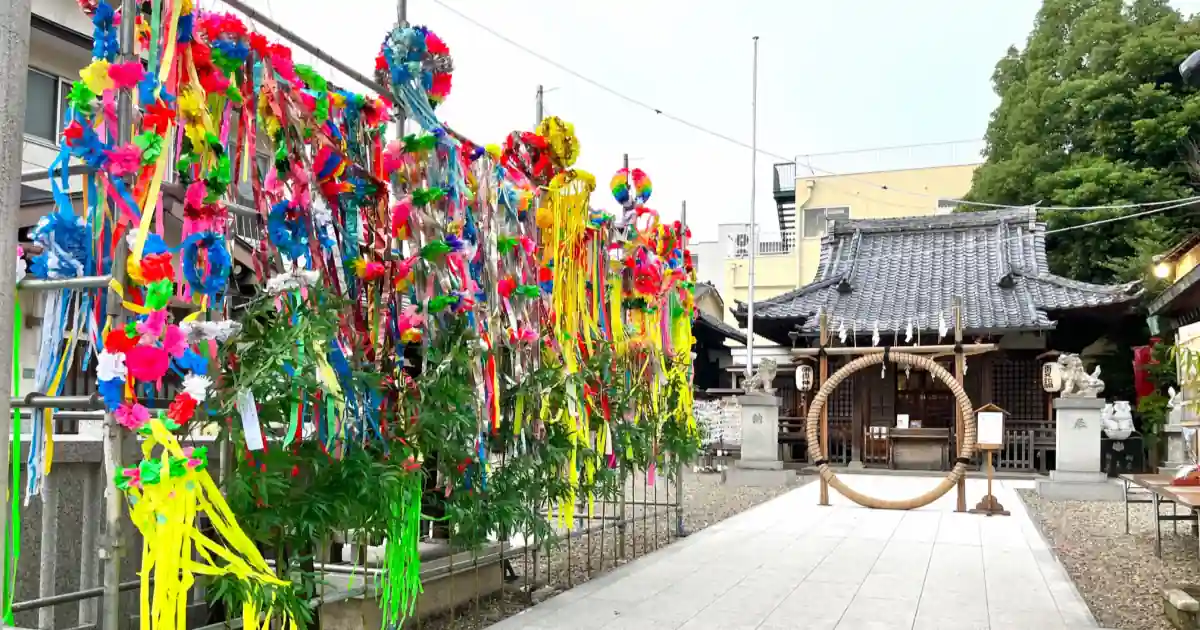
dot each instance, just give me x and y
(808, 164)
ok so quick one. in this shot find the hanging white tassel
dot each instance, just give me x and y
(842, 331)
(942, 327)
(908, 332)
(875, 335)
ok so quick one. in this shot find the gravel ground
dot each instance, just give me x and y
(1117, 573)
(705, 501)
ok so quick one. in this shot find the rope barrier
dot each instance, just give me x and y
(960, 396)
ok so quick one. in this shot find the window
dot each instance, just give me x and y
(45, 105)
(815, 219)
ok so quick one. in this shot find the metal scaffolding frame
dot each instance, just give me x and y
(16, 18)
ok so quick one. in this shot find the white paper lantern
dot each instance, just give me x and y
(1052, 377)
(804, 378)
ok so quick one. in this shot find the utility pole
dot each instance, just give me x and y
(15, 16)
(540, 95)
(753, 226)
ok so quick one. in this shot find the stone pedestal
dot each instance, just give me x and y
(1177, 455)
(760, 464)
(1077, 474)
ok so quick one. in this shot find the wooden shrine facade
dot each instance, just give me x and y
(910, 284)
(862, 412)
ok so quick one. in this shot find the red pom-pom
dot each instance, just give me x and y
(506, 286)
(182, 408)
(545, 274)
(259, 44)
(157, 267)
(118, 341)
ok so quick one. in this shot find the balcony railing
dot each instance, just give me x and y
(785, 177)
(768, 244)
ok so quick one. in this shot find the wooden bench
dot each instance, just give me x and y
(1154, 489)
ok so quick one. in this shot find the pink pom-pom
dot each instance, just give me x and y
(124, 160)
(147, 363)
(196, 193)
(126, 75)
(175, 341)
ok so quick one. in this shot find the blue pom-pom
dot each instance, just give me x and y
(192, 362)
(113, 393)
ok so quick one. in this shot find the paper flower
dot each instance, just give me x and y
(81, 98)
(152, 326)
(158, 116)
(117, 341)
(155, 267)
(409, 323)
(147, 363)
(175, 341)
(124, 160)
(132, 416)
(197, 387)
(111, 366)
(182, 408)
(95, 75)
(400, 215)
(151, 145)
(126, 75)
(506, 286)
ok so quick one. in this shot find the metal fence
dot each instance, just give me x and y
(58, 584)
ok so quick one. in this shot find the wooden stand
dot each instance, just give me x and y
(988, 505)
(990, 422)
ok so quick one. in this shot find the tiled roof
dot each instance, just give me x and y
(892, 271)
(720, 327)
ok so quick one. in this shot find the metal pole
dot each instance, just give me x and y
(540, 113)
(114, 543)
(753, 227)
(15, 16)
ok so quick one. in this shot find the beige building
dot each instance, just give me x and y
(787, 256)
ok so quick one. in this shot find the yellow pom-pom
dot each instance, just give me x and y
(133, 267)
(494, 151)
(545, 218)
(95, 76)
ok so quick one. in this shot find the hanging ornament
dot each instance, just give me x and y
(908, 332)
(842, 331)
(875, 335)
(942, 328)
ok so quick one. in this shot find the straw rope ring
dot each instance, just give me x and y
(925, 363)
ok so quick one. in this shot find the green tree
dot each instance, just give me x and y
(1093, 111)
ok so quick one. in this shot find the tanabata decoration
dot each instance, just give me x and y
(430, 313)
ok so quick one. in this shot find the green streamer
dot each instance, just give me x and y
(12, 537)
(401, 580)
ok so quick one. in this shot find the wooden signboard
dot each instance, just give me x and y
(989, 424)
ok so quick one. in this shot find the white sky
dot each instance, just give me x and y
(834, 75)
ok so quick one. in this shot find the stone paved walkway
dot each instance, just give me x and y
(790, 564)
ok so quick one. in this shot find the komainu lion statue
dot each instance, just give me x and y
(762, 380)
(1076, 382)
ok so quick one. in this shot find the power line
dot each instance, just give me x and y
(730, 139)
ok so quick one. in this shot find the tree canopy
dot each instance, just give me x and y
(1093, 111)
